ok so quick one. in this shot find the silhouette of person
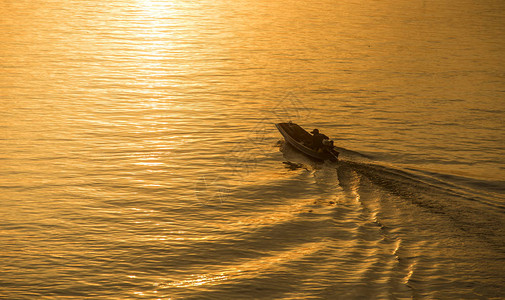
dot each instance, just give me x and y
(317, 139)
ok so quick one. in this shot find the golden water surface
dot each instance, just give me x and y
(139, 158)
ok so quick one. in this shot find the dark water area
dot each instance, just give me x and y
(139, 157)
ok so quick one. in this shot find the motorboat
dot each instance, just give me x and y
(301, 140)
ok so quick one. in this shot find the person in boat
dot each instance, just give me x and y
(317, 139)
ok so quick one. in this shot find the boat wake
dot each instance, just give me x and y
(352, 229)
(446, 230)
(474, 206)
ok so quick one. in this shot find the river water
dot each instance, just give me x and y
(139, 157)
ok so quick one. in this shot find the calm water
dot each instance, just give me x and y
(139, 158)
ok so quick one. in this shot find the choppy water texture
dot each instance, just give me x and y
(139, 158)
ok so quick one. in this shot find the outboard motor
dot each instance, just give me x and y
(328, 143)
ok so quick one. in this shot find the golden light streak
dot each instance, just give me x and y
(249, 269)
